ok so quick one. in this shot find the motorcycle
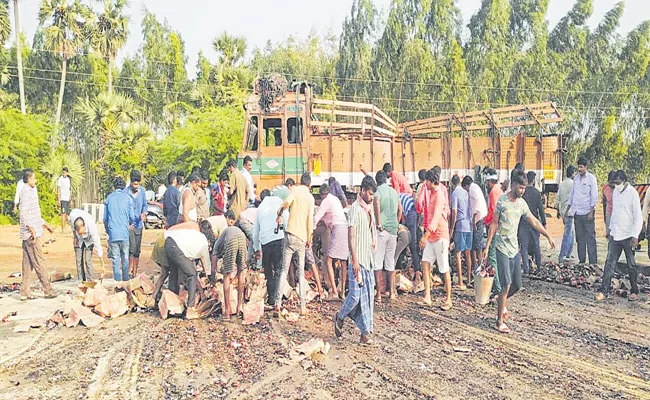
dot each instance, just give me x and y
(155, 218)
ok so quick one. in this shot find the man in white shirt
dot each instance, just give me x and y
(246, 171)
(183, 249)
(478, 210)
(63, 193)
(85, 240)
(19, 188)
(625, 227)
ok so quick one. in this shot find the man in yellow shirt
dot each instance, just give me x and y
(239, 190)
(300, 227)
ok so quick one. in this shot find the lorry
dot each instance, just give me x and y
(289, 131)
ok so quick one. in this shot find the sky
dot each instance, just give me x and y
(199, 21)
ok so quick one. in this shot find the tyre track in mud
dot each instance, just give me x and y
(613, 379)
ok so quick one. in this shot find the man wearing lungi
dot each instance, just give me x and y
(362, 240)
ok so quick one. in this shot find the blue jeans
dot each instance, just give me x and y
(118, 251)
(567, 239)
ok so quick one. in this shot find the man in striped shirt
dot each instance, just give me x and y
(362, 239)
(31, 232)
(410, 219)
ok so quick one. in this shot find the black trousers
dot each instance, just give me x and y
(615, 250)
(272, 264)
(180, 266)
(529, 237)
(586, 239)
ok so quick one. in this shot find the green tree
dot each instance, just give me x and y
(5, 25)
(109, 117)
(208, 138)
(231, 49)
(531, 70)
(353, 68)
(489, 54)
(63, 23)
(108, 33)
(24, 143)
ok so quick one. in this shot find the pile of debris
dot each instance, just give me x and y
(93, 303)
(585, 276)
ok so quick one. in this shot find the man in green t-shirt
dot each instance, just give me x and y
(388, 213)
(510, 208)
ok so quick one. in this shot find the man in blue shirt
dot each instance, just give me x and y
(170, 201)
(118, 214)
(461, 228)
(139, 213)
(583, 199)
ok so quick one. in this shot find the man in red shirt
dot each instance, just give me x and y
(399, 181)
(495, 192)
(435, 241)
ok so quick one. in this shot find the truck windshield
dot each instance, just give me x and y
(272, 132)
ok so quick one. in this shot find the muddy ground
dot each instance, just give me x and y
(563, 345)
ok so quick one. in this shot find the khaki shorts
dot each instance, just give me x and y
(437, 251)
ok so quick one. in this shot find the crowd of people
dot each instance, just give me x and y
(498, 226)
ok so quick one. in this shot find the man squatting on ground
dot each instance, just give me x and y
(231, 247)
(510, 208)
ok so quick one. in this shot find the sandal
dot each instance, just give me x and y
(506, 315)
(446, 306)
(503, 328)
(633, 297)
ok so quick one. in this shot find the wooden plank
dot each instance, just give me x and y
(347, 125)
(385, 123)
(390, 123)
(323, 111)
(363, 106)
(326, 124)
(384, 131)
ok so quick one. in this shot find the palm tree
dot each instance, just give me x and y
(108, 115)
(5, 26)
(19, 54)
(63, 35)
(231, 49)
(108, 33)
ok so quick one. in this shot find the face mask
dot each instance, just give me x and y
(620, 187)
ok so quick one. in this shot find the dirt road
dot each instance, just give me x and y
(563, 345)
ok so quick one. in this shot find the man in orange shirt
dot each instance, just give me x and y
(495, 192)
(435, 240)
(398, 181)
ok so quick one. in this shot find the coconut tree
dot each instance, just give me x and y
(63, 25)
(108, 33)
